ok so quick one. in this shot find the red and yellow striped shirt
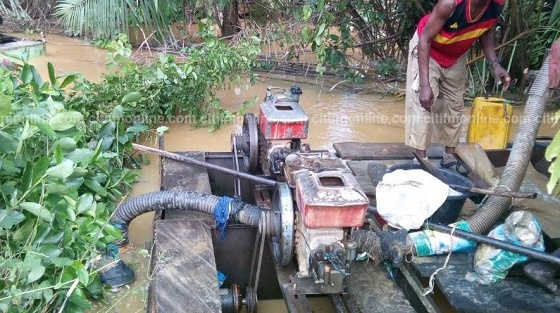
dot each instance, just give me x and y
(461, 30)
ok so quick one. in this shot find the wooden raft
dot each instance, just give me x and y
(358, 151)
(516, 293)
(183, 263)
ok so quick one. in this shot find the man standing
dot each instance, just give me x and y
(436, 73)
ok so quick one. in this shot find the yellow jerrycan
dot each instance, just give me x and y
(490, 122)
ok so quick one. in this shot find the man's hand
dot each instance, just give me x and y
(501, 74)
(426, 97)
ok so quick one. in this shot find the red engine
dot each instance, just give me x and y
(328, 198)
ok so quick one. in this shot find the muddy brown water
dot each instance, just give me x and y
(335, 116)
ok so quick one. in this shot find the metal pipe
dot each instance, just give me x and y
(210, 166)
(534, 254)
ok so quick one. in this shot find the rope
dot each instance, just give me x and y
(503, 187)
(431, 283)
(221, 215)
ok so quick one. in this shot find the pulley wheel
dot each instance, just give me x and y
(251, 300)
(250, 146)
(283, 221)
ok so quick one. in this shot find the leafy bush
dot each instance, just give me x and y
(58, 187)
(153, 92)
(63, 156)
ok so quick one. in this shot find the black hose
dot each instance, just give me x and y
(181, 200)
(519, 158)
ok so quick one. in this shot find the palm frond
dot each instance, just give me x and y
(105, 18)
(99, 18)
(13, 9)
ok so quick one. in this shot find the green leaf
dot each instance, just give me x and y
(138, 128)
(26, 74)
(40, 168)
(48, 294)
(107, 142)
(53, 238)
(24, 232)
(49, 250)
(68, 80)
(62, 170)
(66, 143)
(65, 120)
(36, 273)
(108, 129)
(57, 189)
(81, 272)
(37, 210)
(43, 125)
(52, 77)
(111, 230)
(95, 186)
(58, 155)
(5, 106)
(307, 11)
(83, 156)
(36, 76)
(131, 97)
(54, 106)
(118, 112)
(61, 262)
(10, 218)
(7, 189)
(161, 130)
(85, 202)
(8, 144)
(79, 172)
(79, 298)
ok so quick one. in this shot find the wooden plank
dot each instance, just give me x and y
(360, 171)
(513, 294)
(373, 291)
(178, 175)
(380, 151)
(185, 269)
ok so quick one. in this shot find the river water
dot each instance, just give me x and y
(335, 116)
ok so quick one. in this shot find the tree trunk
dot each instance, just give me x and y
(230, 22)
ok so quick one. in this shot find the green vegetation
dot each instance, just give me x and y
(64, 158)
(58, 186)
(168, 86)
(553, 155)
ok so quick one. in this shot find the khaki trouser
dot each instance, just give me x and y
(443, 124)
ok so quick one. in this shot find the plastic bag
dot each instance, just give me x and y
(431, 242)
(492, 264)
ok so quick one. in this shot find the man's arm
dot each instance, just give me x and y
(442, 11)
(487, 41)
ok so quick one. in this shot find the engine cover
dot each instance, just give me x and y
(282, 118)
(330, 199)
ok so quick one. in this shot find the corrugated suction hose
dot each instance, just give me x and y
(519, 157)
(234, 210)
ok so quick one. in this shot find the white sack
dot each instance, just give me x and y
(406, 198)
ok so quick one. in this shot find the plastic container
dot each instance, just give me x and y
(448, 212)
(490, 123)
